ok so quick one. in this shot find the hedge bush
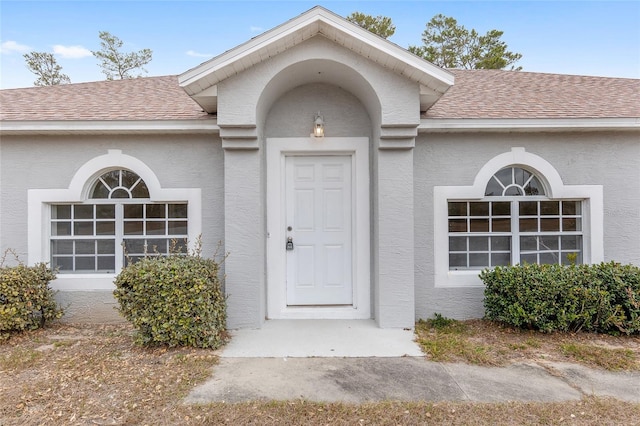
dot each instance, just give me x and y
(175, 300)
(26, 300)
(602, 298)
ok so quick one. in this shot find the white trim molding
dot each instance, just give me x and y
(593, 211)
(108, 127)
(450, 125)
(38, 213)
(276, 150)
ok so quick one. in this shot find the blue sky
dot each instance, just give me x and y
(570, 37)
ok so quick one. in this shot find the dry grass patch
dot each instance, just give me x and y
(589, 411)
(610, 359)
(488, 343)
(93, 375)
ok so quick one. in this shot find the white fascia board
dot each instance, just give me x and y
(516, 125)
(445, 78)
(272, 36)
(107, 127)
(433, 77)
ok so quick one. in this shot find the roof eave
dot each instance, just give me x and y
(101, 127)
(317, 21)
(452, 125)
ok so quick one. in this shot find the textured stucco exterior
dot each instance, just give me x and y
(597, 158)
(50, 162)
(280, 97)
(238, 112)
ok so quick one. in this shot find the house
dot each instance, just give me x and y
(346, 177)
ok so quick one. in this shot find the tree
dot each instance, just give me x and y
(450, 45)
(116, 64)
(45, 66)
(380, 25)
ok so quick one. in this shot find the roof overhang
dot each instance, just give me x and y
(200, 82)
(100, 127)
(452, 125)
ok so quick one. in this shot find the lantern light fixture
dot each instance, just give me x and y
(318, 126)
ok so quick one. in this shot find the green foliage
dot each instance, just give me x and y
(45, 66)
(601, 298)
(117, 65)
(449, 45)
(443, 324)
(175, 300)
(26, 301)
(380, 25)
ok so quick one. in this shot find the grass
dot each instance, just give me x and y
(485, 343)
(19, 359)
(614, 359)
(96, 375)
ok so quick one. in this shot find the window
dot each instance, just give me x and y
(116, 225)
(517, 210)
(514, 224)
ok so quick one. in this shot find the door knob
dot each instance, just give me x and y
(289, 243)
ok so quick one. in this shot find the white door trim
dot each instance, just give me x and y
(276, 151)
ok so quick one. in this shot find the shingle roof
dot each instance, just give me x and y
(149, 98)
(475, 94)
(524, 95)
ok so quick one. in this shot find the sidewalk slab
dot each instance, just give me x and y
(516, 382)
(358, 380)
(624, 386)
(354, 380)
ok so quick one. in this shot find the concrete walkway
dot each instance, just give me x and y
(354, 361)
(321, 338)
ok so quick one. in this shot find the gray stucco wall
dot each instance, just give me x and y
(594, 158)
(293, 113)
(278, 97)
(178, 161)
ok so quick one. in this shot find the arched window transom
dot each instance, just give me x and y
(119, 184)
(514, 181)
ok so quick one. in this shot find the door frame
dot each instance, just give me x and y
(276, 151)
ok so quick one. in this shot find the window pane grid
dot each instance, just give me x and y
(472, 252)
(155, 219)
(138, 248)
(83, 255)
(477, 237)
(89, 237)
(514, 224)
(562, 248)
(550, 232)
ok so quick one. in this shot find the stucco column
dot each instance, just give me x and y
(244, 227)
(394, 296)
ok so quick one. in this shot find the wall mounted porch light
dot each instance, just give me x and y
(318, 126)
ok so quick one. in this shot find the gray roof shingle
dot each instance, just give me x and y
(149, 98)
(526, 95)
(476, 94)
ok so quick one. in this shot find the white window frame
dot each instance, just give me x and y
(555, 189)
(39, 213)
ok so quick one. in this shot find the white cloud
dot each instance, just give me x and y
(198, 55)
(10, 46)
(72, 52)
(255, 29)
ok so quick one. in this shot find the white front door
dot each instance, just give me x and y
(320, 188)
(318, 200)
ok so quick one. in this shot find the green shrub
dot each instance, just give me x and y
(601, 298)
(175, 300)
(26, 300)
